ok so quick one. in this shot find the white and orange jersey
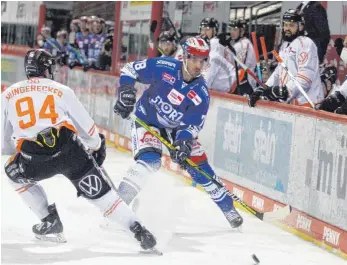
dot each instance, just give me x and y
(301, 58)
(220, 72)
(33, 105)
(245, 52)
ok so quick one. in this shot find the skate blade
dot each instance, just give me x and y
(152, 251)
(56, 238)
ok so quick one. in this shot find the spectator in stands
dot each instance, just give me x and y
(40, 40)
(46, 32)
(105, 56)
(95, 44)
(90, 21)
(83, 39)
(67, 55)
(317, 26)
(50, 44)
(73, 31)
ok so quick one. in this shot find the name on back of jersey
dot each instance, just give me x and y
(20, 90)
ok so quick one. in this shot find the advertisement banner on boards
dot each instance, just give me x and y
(250, 146)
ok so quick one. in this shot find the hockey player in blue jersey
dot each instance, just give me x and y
(175, 105)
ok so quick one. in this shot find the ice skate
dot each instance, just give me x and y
(51, 228)
(145, 237)
(234, 218)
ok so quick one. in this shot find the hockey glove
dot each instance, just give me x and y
(275, 93)
(182, 151)
(225, 40)
(100, 154)
(332, 102)
(342, 109)
(126, 101)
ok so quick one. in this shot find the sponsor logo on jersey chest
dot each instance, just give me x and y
(166, 63)
(168, 78)
(175, 97)
(194, 97)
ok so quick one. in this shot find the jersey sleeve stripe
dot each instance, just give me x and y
(304, 78)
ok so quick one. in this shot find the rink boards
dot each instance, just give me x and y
(270, 156)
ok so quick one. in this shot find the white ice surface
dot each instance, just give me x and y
(190, 229)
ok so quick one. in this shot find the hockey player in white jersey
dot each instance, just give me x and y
(220, 73)
(54, 134)
(300, 55)
(245, 52)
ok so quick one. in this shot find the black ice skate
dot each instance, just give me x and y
(145, 237)
(234, 218)
(51, 228)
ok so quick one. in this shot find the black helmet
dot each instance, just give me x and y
(329, 73)
(241, 24)
(292, 15)
(37, 61)
(209, 22)
(167, 36)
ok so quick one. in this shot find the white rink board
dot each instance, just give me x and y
(312, 142)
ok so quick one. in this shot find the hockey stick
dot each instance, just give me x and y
(246, 68)
(256, 51)
(279, 214)
(292, 77)
(153, 28)
(264, 50)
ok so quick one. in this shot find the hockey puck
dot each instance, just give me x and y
(255, 258)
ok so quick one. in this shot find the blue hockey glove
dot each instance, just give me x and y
(182, 151)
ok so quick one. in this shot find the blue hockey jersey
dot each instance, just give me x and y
(169, 102)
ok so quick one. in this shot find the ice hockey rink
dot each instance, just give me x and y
(188, 226)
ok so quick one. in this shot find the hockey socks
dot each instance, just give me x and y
(34, 196)
(134, 180)
(218, 195)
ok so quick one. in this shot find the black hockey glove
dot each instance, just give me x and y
(225, 40)
(332, 102)
(182, 151)
(126, 101)
(342, 109)
(275, 93)
(100, 154)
